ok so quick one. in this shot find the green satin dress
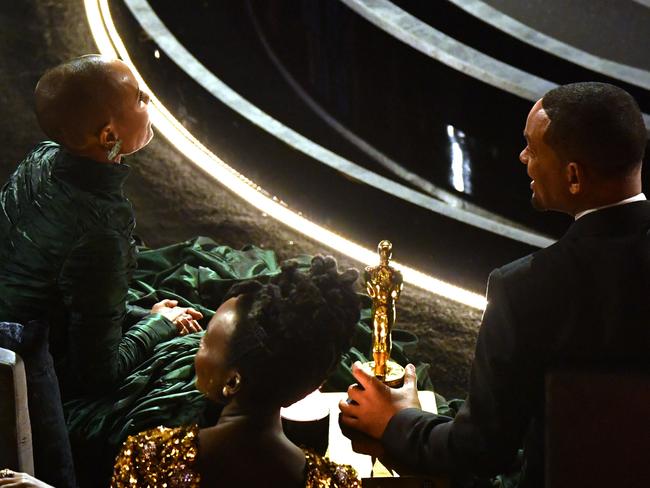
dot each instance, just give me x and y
(66, 257)
(161, 390)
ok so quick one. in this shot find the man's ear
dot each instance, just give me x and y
(575, 177)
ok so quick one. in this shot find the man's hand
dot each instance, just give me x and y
(362, 443)
(371, 404)
(184, 318)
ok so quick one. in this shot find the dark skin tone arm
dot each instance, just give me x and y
(372, 404)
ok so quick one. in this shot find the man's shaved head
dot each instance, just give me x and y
(89, 103)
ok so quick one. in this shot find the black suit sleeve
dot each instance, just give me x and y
(484, 437)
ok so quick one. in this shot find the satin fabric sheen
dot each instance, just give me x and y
(161, 390)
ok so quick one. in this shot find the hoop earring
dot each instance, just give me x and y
(114, 151)
(225, 392)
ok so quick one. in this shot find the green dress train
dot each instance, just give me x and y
(161, 390)
(68, 257)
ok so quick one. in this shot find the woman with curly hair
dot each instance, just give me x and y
(267, 346)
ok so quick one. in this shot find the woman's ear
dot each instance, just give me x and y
(107, 136)
(233, 384)
(110, 142)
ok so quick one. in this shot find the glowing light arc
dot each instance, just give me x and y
(110, 44)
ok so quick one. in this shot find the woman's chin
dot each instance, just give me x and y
(147, 139)
(150, 135)
(142, 145)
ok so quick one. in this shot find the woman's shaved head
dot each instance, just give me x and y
(71, 100)
(80, 102)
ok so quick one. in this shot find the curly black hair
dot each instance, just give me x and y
(293, 330)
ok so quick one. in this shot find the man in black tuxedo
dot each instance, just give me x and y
(585, 300)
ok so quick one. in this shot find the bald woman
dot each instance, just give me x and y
(66, 245)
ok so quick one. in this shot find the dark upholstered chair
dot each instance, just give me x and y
(597, 429)
(15, 429)
(52, 456)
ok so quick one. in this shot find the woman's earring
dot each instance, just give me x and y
(231, 387)
(234, 386)
(114, 151)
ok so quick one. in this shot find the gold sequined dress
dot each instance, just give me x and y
(165, 457)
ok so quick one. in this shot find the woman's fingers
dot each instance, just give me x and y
(184, 318)
(12, 479)
(195, 326)
(183, 325)
(187, 325)
(196, 315)
(163, 305)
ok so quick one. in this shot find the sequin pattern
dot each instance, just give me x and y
(164, 457)
(156, 458)
(323, 473)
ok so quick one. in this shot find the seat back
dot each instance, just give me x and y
(15, 430)
(597, 429)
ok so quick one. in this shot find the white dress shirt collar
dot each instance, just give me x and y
(635, 198)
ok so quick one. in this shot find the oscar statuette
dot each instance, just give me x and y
(384, 285)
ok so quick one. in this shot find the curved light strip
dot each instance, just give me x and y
(481, 10)
(175, 51)
(645, 3)
(391, 165)
(110, 44)
(441, 47)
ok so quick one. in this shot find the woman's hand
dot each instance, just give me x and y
(184, 318)
(186, 322)
(163, 305)
(11, 479)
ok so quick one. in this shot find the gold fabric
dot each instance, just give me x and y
(160, 457)
(323, 473)
(164, 457)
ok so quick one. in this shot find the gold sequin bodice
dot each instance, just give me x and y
(165, 457)
(323, 473)
(160, 457)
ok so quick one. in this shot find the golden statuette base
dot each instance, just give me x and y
(394, 373)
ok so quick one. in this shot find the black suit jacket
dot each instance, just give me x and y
(585, 300)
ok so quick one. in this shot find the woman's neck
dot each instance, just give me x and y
(243, 437)
(267, 419)
(94, 152)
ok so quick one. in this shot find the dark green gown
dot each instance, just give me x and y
(68, 256)
(161, 390)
